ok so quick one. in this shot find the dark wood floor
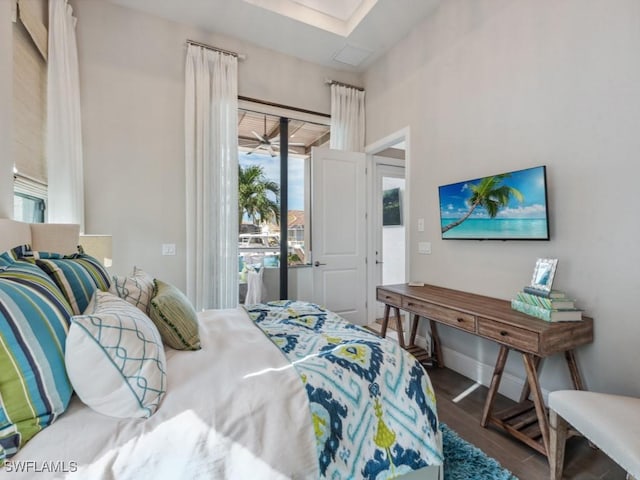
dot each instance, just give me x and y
(581, 461)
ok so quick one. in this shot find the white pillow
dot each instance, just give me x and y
(136, 289)
(115, 358)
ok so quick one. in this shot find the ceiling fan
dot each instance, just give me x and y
(270, 144)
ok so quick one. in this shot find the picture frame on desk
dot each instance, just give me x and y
(543, 274)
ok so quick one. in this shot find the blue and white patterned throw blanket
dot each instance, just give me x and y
(372, 404)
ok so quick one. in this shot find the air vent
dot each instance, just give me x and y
(350, 55)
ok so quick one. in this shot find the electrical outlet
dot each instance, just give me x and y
(424, 248)
(168, 249)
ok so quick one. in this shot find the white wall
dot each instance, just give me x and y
(485, 86)
(132, 92)
(496, 86)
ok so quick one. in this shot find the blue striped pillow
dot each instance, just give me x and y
(10, 256)
(6, 258)
(77, 275)
(34, 387)
(28, 274)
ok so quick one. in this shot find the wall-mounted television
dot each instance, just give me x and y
(507, 206)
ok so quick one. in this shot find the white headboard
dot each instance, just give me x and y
(47, 237)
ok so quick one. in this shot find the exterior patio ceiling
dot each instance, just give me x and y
(302, 135)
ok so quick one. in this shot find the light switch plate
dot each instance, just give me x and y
(168, 249)
(421, 224)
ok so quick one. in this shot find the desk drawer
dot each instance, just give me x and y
(389, 298)
(514, 337)
(448, 316)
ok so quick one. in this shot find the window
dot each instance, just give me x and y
(29, 112)
(27, 208)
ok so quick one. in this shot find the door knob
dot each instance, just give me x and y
(317, 263)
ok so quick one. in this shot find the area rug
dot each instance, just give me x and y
(463, 461)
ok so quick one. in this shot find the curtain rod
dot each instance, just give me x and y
(335, 82)
(279, 105)
(239, 56)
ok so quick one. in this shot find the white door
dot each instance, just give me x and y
(338, 238)
(389, 227)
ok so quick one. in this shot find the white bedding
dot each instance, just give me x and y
(233, 410)
(220, 386)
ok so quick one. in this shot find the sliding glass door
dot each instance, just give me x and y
(259, 209)
(274, 201)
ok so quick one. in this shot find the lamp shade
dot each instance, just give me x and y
(98, 246)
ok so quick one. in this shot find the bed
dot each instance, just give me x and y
(278, 390)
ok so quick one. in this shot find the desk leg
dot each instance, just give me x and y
(495, 383)
(437, 347)
(385, 321)
(573, 369)
(534, 385)
(526, 390)
(399, 327)
(414, 329)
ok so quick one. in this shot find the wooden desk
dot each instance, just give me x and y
(494, 320)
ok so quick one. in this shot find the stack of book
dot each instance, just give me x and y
(551, 306)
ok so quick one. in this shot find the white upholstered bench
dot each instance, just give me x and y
(610, 422)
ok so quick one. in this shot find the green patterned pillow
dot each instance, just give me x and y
(34, 387)
(77, 275)
(175, 317)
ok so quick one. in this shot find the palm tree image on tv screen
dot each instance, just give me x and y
(508, 206)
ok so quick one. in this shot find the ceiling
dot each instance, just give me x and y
(302, 135)
(342, 34)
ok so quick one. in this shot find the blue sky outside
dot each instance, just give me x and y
(530, 182)
(271, 168)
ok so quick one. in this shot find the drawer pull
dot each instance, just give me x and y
(460, 319)
(411, 304)
(504, 333)
(388, 297)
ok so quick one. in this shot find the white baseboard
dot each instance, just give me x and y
(510, 385)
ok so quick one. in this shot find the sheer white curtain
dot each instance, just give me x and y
(211, 154)
(64, 129)
(347, 118)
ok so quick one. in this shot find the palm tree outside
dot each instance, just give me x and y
(490, 194)
(258, 197)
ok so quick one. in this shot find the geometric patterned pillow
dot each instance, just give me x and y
(34, 387)
(136, 289)
(77, 275)
(175, 317)
(115, 358)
